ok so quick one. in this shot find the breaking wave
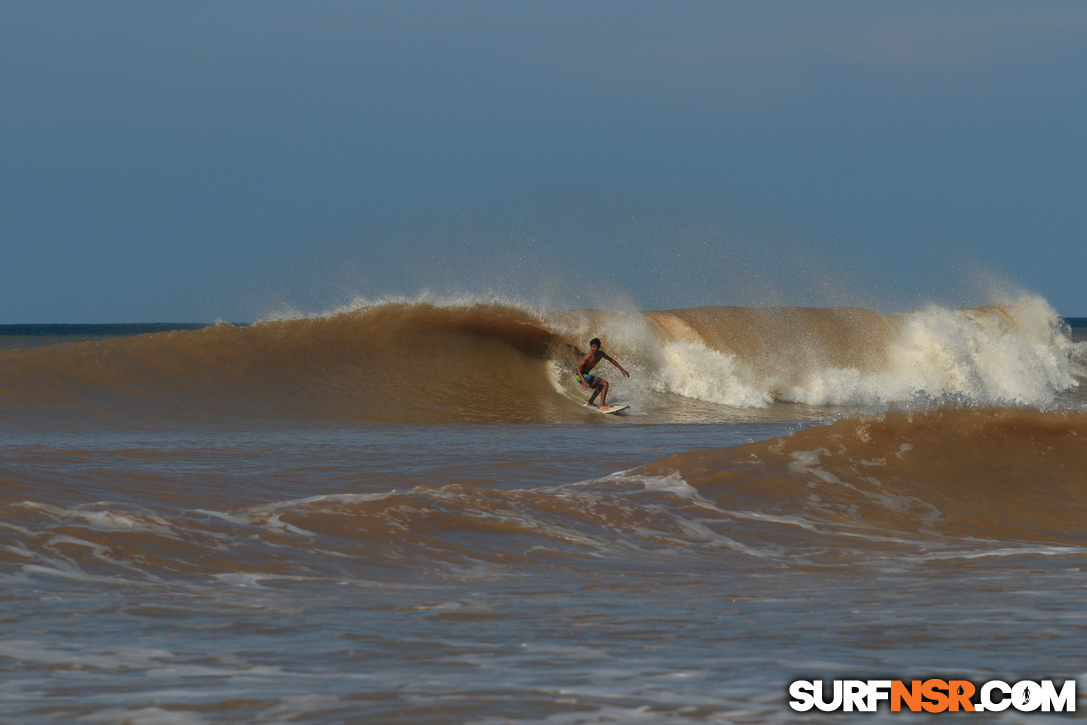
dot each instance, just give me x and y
(418, 362)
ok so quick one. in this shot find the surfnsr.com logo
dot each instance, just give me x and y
(933, 696)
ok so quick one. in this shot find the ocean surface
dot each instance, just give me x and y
(402, 512)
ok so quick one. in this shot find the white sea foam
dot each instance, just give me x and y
(672, 483)
(146, 716)
(105, 520)
(1017, 354)
(1021, 358)
(695, 371)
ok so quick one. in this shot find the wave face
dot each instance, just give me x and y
(391, 362)
(946, 476)
(418, 362)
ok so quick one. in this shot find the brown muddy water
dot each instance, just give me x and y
(297, 521)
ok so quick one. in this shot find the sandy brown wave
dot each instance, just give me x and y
(1005, 473)
(949, 484)
(420, 362)
(776, 338)
(392, 363)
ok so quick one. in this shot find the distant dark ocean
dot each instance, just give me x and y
(139, 328)
(406, 513)
(104, 330)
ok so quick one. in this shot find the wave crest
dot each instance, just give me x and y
(423, 362)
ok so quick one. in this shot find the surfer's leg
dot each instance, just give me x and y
(594, 383)
(603, 390)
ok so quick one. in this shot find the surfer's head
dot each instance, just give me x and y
(595, 342)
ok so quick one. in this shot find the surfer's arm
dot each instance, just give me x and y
(609, 359)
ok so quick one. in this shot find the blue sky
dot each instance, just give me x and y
(203, 160)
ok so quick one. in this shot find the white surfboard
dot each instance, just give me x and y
(609, 410)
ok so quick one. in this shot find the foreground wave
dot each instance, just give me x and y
(425, 362)
(951, 484)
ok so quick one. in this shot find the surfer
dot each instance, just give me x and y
(598, 384)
